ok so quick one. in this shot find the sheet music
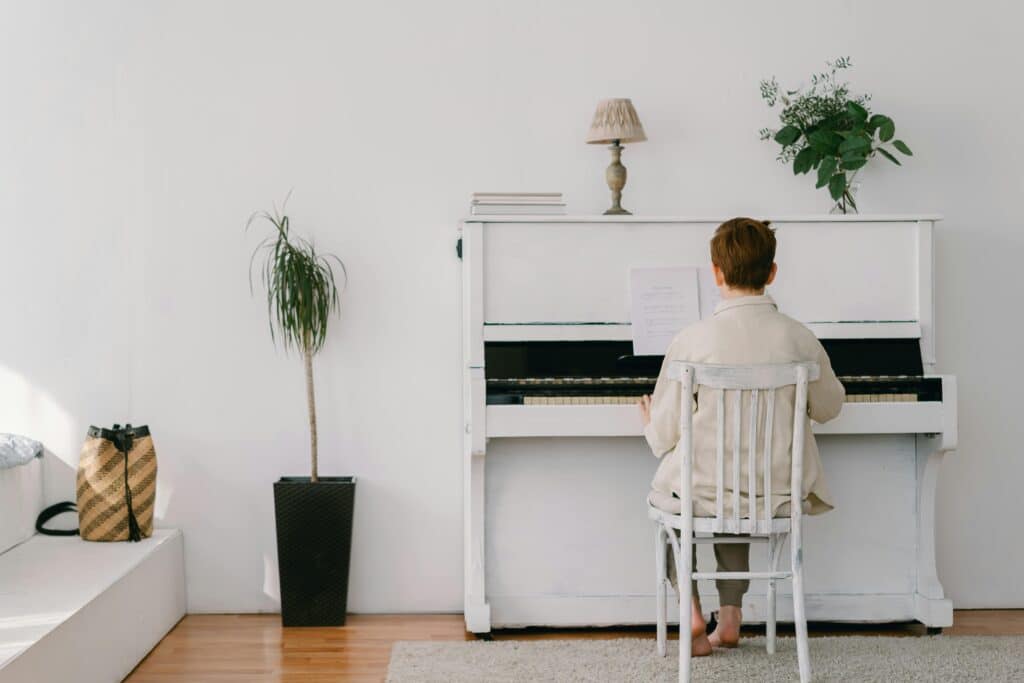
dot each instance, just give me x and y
(662, 302)
(710, 295)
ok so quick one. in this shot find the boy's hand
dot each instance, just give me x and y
(645, 409)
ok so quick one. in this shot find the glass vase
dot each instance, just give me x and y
(848, 202)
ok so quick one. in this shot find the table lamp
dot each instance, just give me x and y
(615, 122)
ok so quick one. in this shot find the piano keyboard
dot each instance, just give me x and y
(529, 400)
(579, 400)
(881, 398)
(595, 391)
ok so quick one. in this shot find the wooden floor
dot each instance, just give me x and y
(255, 649)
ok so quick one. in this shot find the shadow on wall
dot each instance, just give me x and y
(28, 410)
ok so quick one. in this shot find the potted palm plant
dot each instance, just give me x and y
(314, 513)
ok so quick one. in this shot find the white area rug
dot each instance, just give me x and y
(847, 658)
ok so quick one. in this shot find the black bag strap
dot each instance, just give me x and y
(51, 512)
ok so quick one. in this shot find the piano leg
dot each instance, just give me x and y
(477, 611)
(661, 588)
(931, 606)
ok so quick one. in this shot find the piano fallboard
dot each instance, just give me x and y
(606, 371)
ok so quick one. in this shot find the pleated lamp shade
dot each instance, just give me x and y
(615, 119)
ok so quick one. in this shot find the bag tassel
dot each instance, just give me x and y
(134, 532)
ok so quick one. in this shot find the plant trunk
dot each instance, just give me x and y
(311, 402)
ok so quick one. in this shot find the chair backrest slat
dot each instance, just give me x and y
(752, 461)
(769, 418)
(720, 466)
(761, 382)
(737, 434)
(796, 473)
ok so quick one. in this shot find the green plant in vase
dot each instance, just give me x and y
(828, 130)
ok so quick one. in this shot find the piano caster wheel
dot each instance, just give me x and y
(484, 636)
(933, 630)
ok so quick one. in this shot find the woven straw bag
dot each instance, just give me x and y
(116, 484)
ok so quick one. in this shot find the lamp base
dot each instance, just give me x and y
(615, 174)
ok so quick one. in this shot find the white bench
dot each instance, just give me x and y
(73, 610)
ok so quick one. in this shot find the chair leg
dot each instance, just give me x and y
(799, 615)
(660, 545)
(684, 567)
(769, 624)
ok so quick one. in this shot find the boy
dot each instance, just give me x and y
(746, 328)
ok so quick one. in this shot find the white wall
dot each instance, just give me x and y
(151, 131)
(65, 329)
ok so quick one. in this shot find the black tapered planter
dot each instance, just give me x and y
(314, 542)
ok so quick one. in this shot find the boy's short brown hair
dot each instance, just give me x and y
(744, 249)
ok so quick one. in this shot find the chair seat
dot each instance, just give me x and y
(665, 508)
(709, 525)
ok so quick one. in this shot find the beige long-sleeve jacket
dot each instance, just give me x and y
(744, 330)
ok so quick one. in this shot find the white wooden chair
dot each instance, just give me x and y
(757, 382)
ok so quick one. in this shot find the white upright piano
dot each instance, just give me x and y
(556, 472)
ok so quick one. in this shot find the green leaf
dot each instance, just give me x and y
(837, 186)
(852, 144)
(301, 290)
(787, 136)
(856, 112)
(886, 130)
(824, 141)
(875, 121)
(853, 164)
(825, 171)
(828, 124)
(804, 160)
(888, 156)
(902, 146)
(854, 154)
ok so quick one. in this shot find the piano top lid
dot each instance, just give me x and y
(805, 218)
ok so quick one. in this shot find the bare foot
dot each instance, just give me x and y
(727, 633)
(701, 646)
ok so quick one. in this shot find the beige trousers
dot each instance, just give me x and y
(730, 557)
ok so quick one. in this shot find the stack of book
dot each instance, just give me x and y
(517, 203)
